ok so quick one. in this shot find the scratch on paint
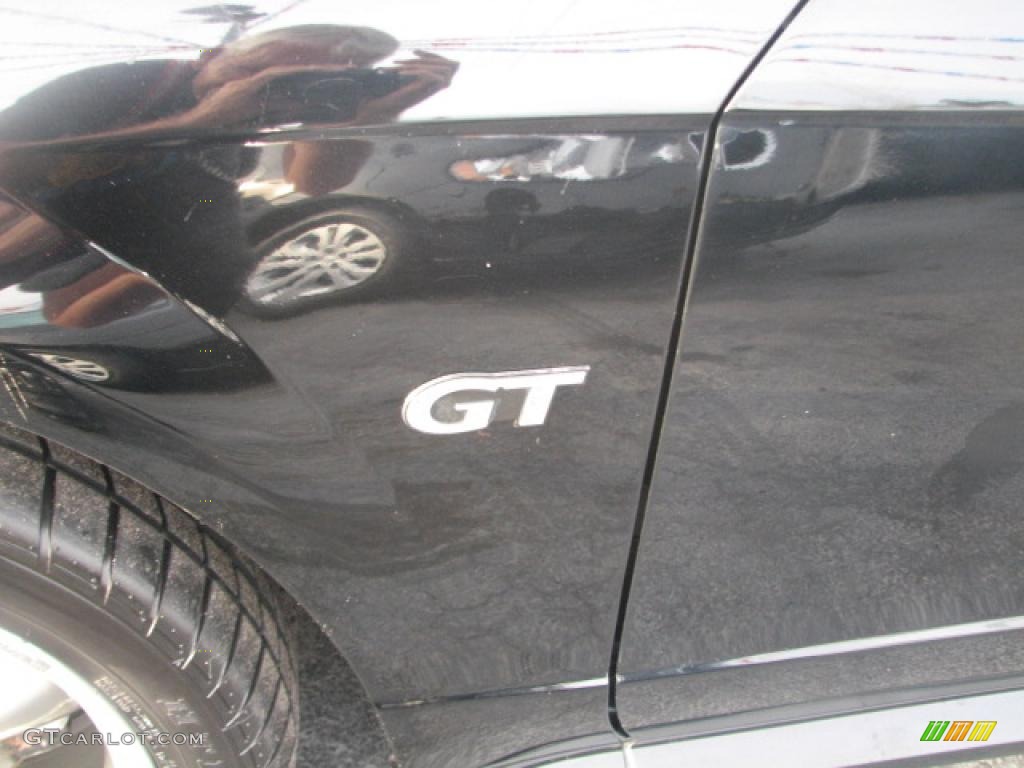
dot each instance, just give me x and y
(190, 210)
(13, 388)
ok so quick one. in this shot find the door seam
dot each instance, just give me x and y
(672, 351)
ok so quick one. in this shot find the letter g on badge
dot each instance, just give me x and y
(475, 409)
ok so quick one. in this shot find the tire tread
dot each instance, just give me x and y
(166, 575)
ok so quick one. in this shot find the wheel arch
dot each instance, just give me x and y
(168, 463)
(263, 227)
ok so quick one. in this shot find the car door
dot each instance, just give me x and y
(834, 523)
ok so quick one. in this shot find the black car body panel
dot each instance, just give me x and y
(588, 278)
(849, 528)
(838, 456)
(444, 567)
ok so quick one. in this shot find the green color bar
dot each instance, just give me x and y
(935, 730)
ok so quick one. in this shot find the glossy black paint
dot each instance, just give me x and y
(441, 565)
(853, 383)
(435, 565)
(68, 302)
(150, 167)
(840, 451)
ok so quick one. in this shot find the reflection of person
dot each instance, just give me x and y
(316, 168)
(89, 289)
(108, 293)
(225, 88)
(182, 204)
(24, 235)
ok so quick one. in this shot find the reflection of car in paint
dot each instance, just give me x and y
(642, 388)
(313, 251)
(492, 221)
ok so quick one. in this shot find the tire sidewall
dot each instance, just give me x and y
(151, 694)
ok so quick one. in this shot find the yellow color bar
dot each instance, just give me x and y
(982, 730)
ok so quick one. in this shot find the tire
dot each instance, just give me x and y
(154, 610)
(369, 223)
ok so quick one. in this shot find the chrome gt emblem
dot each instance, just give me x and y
(466, 402)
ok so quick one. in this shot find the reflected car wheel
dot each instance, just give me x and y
(76, 367)
(104, 367)
(334, 255)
